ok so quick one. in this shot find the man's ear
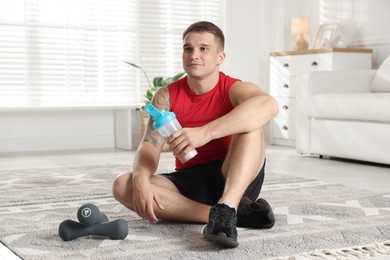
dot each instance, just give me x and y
(221, 57)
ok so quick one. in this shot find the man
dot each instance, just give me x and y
(223, 120)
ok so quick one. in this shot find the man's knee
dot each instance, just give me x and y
(246, 149)
(246, 141)
(120, 187)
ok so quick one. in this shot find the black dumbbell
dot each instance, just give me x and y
(116, 229)
(89, 214)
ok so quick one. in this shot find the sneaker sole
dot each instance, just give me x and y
(222, 240)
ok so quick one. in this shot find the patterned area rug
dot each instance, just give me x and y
(315, 220)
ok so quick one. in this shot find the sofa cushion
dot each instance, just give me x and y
(381, 80)
(357, 106)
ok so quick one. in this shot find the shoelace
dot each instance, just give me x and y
(225, 216)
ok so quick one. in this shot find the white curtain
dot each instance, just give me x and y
(71, 52)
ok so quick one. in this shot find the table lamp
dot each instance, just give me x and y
(300, 27)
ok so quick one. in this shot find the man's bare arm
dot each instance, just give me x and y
(160, 101)
(145, 165)
(253, 109)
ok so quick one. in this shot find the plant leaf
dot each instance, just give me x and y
(178, 76)
(172, 79)
(134, 65)
(149, 93)
(138, 67)
(158, 82)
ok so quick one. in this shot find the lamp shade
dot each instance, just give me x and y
(300, 25)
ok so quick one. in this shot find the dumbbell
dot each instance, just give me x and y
(89, 214)
(116, 229)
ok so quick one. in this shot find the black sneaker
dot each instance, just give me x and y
(221, 228)
(257, 214)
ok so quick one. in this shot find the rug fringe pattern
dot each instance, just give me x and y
(356, 252)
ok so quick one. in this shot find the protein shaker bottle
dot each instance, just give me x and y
(166, 124)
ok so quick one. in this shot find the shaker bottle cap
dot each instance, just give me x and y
(160, 117)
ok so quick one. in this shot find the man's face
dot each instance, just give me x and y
(201, 54)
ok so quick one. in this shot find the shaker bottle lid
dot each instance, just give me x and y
(160, 117)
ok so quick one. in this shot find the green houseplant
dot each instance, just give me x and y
(158, 82)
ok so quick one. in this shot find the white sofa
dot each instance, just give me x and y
(345, 114)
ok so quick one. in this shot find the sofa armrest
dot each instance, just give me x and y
(318, 82)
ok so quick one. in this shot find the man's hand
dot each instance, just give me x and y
(144, 198)
(183, 141)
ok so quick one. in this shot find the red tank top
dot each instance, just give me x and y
(197, 110)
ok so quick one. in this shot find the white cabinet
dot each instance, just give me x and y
(284, 71)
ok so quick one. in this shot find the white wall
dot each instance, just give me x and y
(368, 23)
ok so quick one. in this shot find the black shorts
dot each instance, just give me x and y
(205, 183)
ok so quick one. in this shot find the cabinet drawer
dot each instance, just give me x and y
(286, 107)
(283, 128)
(293, 65)
(283, 86)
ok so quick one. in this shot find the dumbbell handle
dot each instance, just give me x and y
(116, 229)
